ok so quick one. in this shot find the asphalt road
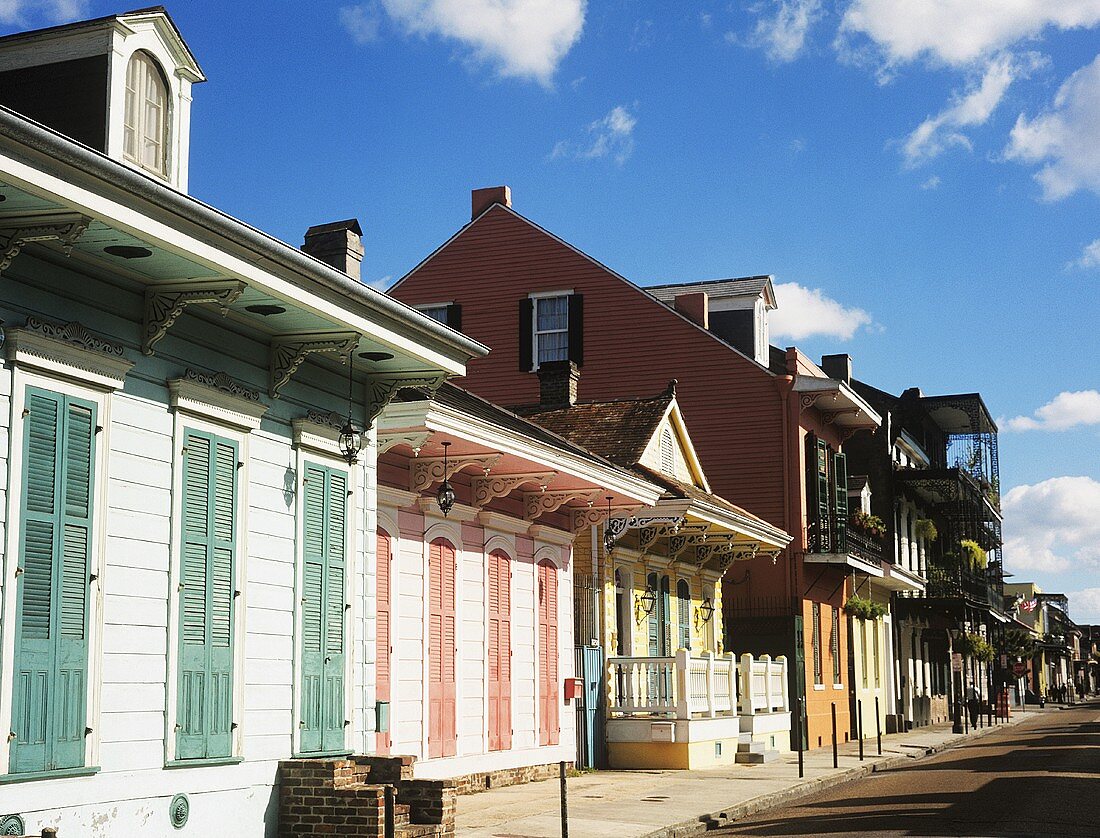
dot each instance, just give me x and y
(1038, 778)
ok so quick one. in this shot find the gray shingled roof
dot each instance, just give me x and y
(734, 286)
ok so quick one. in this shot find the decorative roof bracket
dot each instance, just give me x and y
(428, 470)
(165, 303)
(498, 485)
(671, 524)
(17, 232)
(414, 439)
(536, 504)
(289, 352)
(382, 388)
(589, 516)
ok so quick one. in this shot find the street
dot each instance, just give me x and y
(1041, 777)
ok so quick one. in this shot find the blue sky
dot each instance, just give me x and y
(921, 180)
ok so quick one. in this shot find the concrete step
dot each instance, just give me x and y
(751, 747)
(417, 830)
(754, 757)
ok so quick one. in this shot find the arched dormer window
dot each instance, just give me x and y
(668, 457)
(146, 117)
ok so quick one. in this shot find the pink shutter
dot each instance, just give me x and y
(500, 652)
(442, 737)
(548, 653)
(383, 640)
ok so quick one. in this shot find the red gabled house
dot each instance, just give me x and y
(768, 424)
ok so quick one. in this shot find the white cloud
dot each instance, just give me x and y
(1085, 606)
(1064, 137)
(520, 38)
(1090, 257)
(611, 136)
(954, 32)
(361, 22)
(24, 12)
(806, 312)
(782, 34)
(933, 136)
(1067, 410)
(1053, 525)
(932, 183)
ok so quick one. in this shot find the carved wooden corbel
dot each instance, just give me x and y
(17, 232)
(428, 470)
(498, 485)
(165, 303)
(536, 504)
(381, 388)
(289, 352)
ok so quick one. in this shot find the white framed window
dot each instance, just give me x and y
(551, 328)
(436, 312)
(145, 120)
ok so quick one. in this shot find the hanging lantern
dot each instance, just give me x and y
(608, 536)
(706, 610)
(445, 497)
(351, 438)
(648, 600)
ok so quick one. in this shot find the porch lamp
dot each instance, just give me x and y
(608, 536)
(445, 497)
(705, 610)
(648, 600)
(351, 438)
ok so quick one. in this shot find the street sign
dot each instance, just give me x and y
(1019, 669)
(1004, 661)
(956, 662)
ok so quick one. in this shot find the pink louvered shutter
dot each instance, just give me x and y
(548, 653)
(383, 640)
(500, 652)
(442, 711)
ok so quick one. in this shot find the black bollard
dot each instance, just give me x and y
(801, 714)
(878, 728)
(835, 764)
(859, 726)
(564, 803)
(389, 828)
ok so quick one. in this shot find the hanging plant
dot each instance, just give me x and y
(974, 646)
(926, 528)
(974, 554)
(864, 608)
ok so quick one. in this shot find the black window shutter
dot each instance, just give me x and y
(576, 329)
(526, 316)
(454, 316)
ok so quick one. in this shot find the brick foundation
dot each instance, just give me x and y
(484, 780)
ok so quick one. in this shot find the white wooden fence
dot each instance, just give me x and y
(688, 686)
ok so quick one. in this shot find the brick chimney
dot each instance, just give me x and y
(694, 306)
(558, 383)
(838, 367)
(339, 243)
(482, 199)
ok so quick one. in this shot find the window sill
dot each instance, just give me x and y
(58, 774)
(838, 686)
(202, 763)
(819, 687)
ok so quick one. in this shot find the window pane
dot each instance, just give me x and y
(553, 346)
(553, 313)
(436, 313)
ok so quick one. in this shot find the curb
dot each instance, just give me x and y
(705, 823)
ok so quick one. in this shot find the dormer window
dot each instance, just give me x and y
(146, 118)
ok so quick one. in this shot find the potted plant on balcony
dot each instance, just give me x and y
(867, 524)
(925, 528)
(973, 553)
(864, 608)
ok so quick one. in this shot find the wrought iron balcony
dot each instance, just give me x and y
(836, 535)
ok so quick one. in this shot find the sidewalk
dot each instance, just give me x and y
(671, 804)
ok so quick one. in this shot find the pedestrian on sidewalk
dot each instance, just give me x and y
(973, 704)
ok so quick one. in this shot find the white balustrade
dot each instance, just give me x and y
(694, 686)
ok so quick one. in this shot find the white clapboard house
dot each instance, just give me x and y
(187, 566)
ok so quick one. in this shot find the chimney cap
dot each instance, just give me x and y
(482, 199)
(351, 224)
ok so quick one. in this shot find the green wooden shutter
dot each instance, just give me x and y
(324, 511)
(207, 597)
(840, 483)
(51, 644)
(683, 603)
(654, 617)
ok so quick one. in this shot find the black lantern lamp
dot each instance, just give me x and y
(351, 438)
(705, 610)
(608, 536)
(648, 600)
(445, 497)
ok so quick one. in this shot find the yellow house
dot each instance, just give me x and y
(649, 596)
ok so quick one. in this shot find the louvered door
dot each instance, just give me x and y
(207, 597)
(324, 562)
(442, 735)
(548, 653)
(51, 626)
(383, 638)
(500, 651)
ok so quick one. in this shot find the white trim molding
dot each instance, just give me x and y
(68, 350)
(216, 397)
